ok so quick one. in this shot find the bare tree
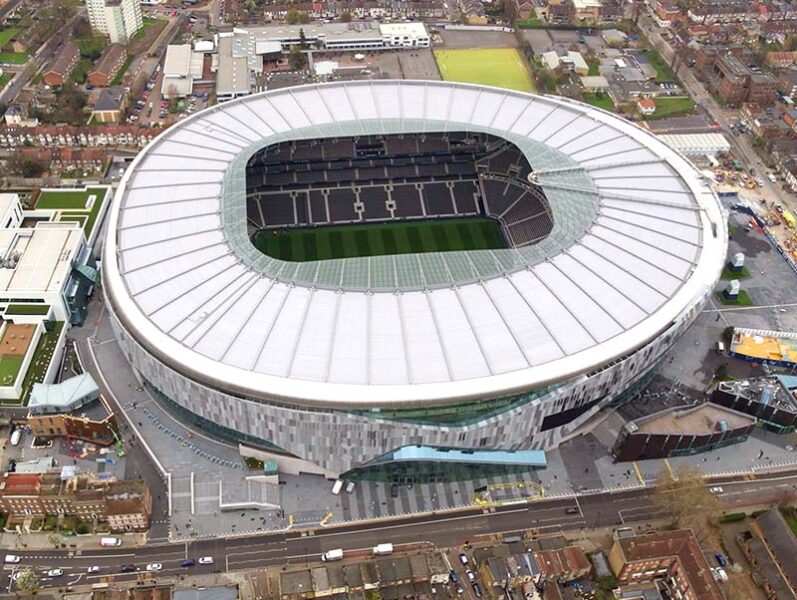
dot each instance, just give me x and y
(684, 499)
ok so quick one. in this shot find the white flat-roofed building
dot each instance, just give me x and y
(342, 363)
(181, 67)
(405, 35)
(695, 144)
(233, 76)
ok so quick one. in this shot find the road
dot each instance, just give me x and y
(742, 147)
(296, 547)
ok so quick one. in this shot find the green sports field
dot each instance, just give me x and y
(346, 241)
(499, 67)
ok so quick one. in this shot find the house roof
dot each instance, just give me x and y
(69, 52)
(106, 64)
(110, 99)
(781, 541)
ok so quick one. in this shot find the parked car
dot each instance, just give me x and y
(463, 559)
(471, 575)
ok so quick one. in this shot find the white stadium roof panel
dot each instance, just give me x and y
(637, 237)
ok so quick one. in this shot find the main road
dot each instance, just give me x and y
(605, 509)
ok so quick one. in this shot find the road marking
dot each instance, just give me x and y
(638, 473)
(669, 469)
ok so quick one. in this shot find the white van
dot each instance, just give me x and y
(382, 549)
(330, 555)
(107, 542)
(349, 487)
(16, 436)
(337, 487)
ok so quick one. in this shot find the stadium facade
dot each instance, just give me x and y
(350, 364)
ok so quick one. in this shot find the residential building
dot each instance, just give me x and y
(770, 548)
(722, 11)
(666, 12)
(128, 505)
(646, 106)
(672, 558)
(787, 83)
(523, 9)
(677, 432)
(788, 170)
(125, 505)
(118, 19)
(762, 89)
(102, 432)
(780, 60)
(107, 65)
(63, 65)
(560, 11)
(16, 115)
(109, 106)
(731, 77)
(611, 11)
(52, 136)
(562, 565)
(586, 11)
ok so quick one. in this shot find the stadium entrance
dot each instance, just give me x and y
(392, 194)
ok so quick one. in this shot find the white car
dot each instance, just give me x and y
(716, 490)
(55, 572)
(12, 559)
(94, 569)
(206, 560)
(154, 567)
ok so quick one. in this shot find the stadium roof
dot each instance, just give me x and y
(638, 240)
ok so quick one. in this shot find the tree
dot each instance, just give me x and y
(21, 166)
(298, 59)
(28, 581)
(81, 28)
(683, 497)
(292, 17)
(304, 18)
(345, 17)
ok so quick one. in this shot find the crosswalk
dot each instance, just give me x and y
(371, 499)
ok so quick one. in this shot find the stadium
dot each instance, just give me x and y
(405, 280)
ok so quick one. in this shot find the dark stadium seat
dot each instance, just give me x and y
(437, 199)
(253, 212)
(277, 209)
(408, 201)
(318, 208)
(374, 199)
(465, 193)
(302, 213)
(341, 205)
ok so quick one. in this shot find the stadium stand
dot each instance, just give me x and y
(382, 178)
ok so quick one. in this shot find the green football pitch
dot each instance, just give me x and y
(499, 67)
(405, 237)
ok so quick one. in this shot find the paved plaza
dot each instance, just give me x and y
(208, 479)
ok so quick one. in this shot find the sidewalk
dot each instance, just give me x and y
(45, 541)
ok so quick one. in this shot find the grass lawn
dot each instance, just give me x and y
(118, 79)
(13, 58)
(670, 107)
(27, 309)
(148, 22)
(663, 72)
(499, 67)
(743, 299)
(74, 199)
(41, 360)
(5, 78)
(599, 100)
(405, 237)
(6, 35)
(9, 369)
(728, 274)
(791, 519)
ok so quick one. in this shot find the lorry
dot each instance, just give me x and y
(382, 549)
(331, 555)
